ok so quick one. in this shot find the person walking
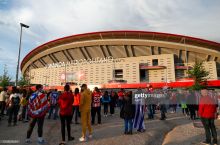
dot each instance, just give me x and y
(53, 99)
(113, 98)
(208, 114)
(191, 104)
(106, 100)
(13, 106)
(96, 105)
(140, 110)
(38, 106)
(3, 96)
(65, 102)
(85, 111)
(127, 113)
(121, 95)
(173, 101)
(162, 105)
(24, 103)
(76, 105)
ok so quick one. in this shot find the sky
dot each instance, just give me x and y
(52, 19)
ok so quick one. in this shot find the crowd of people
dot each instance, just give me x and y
(70, 106)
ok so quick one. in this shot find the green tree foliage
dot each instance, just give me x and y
(199, 75)
(5, 78)
(22, 81)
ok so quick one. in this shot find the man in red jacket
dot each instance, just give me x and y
(208, 113)
(65, 102)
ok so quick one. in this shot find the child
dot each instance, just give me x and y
(128, 113)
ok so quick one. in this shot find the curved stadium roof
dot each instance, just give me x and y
(120, 44)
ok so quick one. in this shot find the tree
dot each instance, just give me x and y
(199, 75)
(5, 78)
(22, 81)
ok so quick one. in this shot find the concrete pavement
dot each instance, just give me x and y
(110, 132)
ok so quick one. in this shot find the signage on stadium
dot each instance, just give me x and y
(96, 60)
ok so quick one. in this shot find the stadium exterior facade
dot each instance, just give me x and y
(131, 57)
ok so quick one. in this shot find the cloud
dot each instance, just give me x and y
(52, 19)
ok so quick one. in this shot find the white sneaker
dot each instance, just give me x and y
(40, 140)
(90, 136)
(82, 139)
(27, 141)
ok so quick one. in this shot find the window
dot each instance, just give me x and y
(155, 62)
(118, 73)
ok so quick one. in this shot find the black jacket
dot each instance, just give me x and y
(128, 109)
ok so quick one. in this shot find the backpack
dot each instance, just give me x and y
(15, 101)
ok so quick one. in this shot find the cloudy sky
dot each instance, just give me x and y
(51, 19)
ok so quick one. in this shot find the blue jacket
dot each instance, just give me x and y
(106, 99)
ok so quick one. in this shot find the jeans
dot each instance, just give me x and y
(94, 111)
(120, 103)
(13, 113)
(55, 115)
(65, 121)
(150, 111)
(210, 129)
(40, 123)
(128, 125)
(105, 108)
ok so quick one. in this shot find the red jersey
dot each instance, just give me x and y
(121, 95)
(96, 99)
(76, 100)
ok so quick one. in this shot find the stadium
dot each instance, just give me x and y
(121, 59)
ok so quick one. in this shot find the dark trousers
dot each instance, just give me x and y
(163, 111)
(2, 107)
(93, 112)
(210, 129)
(65, 121)
(185, 111)
(13, 113)
(192, 112)
(105, 108)
(112, 108)
(23, 113)
(154, 108)
(120, 103)
(55, 109)
(77, 113)
(40, 124)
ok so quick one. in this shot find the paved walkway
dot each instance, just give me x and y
(187, 134)
(109, 133)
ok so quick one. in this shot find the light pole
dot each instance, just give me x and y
(19, 52)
